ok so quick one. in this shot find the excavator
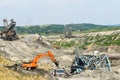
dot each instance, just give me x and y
(33, 64)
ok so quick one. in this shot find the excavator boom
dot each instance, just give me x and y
(33, 63)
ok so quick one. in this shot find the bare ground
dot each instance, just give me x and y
(28, 46)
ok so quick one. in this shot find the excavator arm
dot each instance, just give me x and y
(33, 63)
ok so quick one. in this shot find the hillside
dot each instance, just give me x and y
(28, 46)
(7, 74)
(60, 29)
(105, 41)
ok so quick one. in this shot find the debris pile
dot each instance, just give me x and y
(91, 62)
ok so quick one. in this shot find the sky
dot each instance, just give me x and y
(38, 12)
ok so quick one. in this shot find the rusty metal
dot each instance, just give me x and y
(9, 33)
(115, 60)
(91, 62)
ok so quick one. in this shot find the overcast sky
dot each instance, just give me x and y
(32, 12)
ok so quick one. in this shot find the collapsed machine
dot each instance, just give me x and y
(90, 62)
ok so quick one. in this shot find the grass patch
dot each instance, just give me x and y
(7, 74)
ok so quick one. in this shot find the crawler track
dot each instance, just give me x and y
(19, 69)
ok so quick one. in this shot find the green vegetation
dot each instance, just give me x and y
(67, 44)
(102, 29)
(8, 74)
(54, 29)
(60, 29)
(99, 40)
(102, 40)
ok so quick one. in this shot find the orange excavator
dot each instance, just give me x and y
(33, 64)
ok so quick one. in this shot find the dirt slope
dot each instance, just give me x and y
(28, 46)
(7, 74)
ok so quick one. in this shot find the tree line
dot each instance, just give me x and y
(60, 28)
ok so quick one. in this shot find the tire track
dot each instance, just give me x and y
(14, 49)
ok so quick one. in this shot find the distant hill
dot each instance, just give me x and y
(60, 29)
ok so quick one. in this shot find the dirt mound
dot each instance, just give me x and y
(97, 75)
(27, 47)
(108, 49)
(93, 47)
(18, 68)
(114, 49)
(8, 74)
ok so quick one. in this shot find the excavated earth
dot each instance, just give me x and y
(26, 49)
(29, 46)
